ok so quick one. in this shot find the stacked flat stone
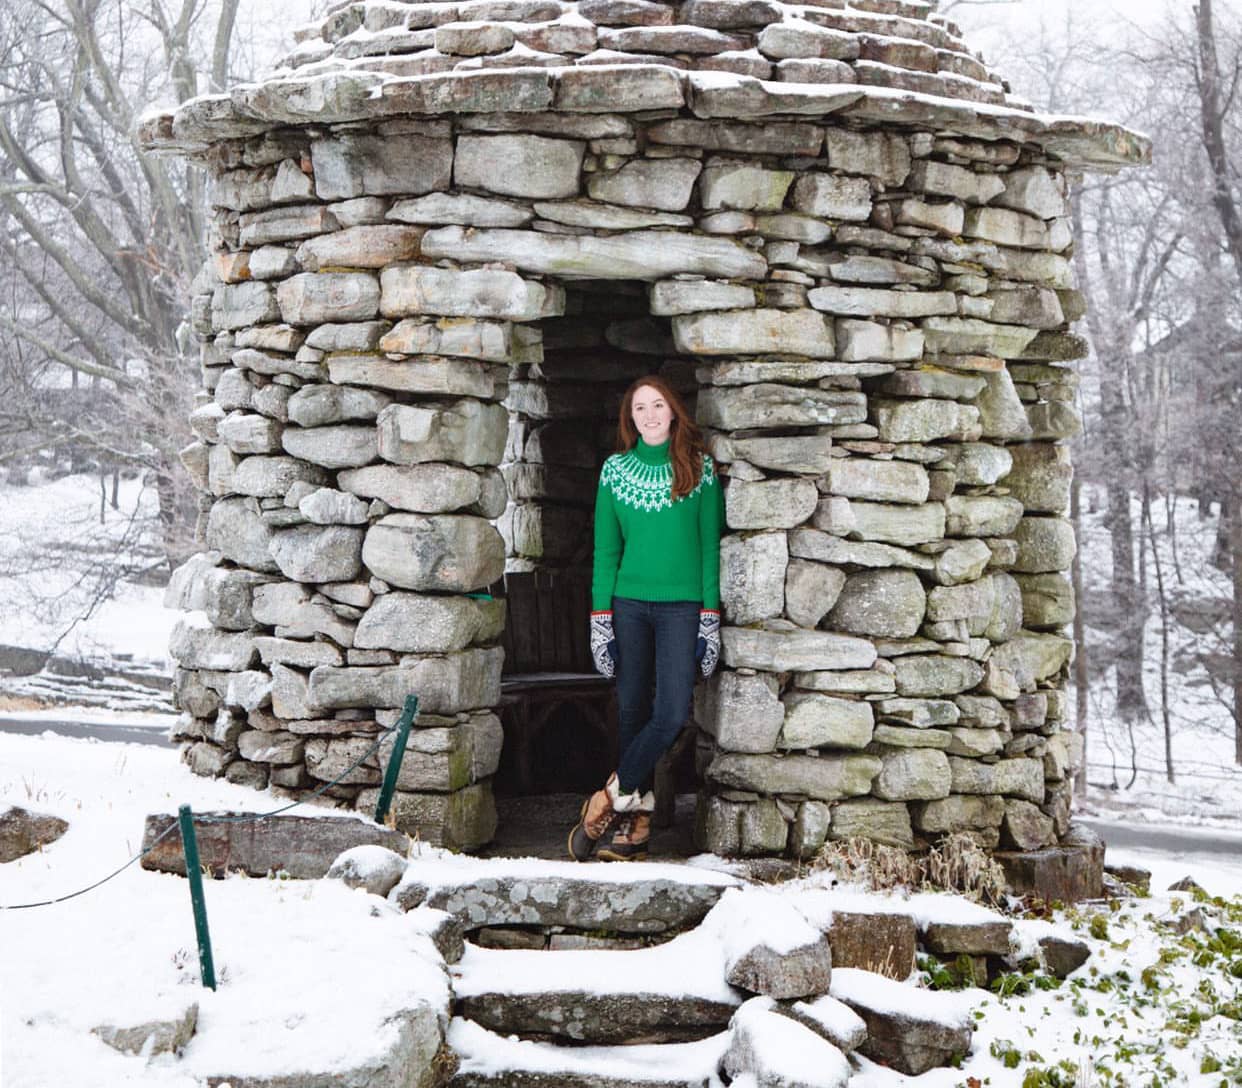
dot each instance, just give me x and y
(428, 292)
(883, 43)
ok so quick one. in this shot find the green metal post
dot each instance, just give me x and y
(394, 760)
(189, 845)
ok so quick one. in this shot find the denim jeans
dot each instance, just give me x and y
(655, 681)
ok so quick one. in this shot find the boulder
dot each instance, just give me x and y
(167, 1035)
(829, 1018)
(936, 674)
(904, 1030)
(768, 1048)
(1044, 544)
(771, 949)
(376, 868)
(1062, 956)
(462, 820)
(753, 576)
(313, 298)
(881, 942)
(637, 254)
(510, 894)
(23, 832)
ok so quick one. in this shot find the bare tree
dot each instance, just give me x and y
(100, 241)
(1217, 87)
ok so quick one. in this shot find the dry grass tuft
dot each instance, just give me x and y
(956, 864)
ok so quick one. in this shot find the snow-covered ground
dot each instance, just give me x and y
(58, 564)
(1151, 1006)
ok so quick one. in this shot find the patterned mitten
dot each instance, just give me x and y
(603, 644)
(707, 650)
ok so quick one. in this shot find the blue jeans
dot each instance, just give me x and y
(655, 681)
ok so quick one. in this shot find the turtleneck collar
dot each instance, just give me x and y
(652, 455)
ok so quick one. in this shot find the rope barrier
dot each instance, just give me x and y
(249, 817)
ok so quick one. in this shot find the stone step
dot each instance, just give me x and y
(673, 992)
(637, 899)
(488, 1060)
(909, 1029)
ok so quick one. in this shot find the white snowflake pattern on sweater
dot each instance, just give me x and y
(643, 486)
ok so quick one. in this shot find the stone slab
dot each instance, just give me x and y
(304, 847)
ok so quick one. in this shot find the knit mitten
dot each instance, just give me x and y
(707, 649)
(603, 644)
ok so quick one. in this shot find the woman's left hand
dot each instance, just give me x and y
(707, 649)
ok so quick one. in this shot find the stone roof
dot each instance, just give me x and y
(870, 61)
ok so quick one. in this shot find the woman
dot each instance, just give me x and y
(655, 599)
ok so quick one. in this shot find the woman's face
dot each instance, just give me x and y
(651, 414)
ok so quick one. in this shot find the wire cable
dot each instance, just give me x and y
(248, 817)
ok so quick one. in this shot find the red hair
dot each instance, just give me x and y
(685, 447)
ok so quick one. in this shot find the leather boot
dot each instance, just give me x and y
(630, 833)
(599, 812)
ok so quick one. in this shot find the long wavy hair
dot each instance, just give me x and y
(685, 447)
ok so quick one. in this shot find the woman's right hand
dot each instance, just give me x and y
(603, 644)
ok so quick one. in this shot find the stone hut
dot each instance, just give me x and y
(446, 235)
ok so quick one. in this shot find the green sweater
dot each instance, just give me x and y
(647, 546)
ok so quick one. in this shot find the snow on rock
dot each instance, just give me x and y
(167, 1035)
(375, 868)
(910, 1029)
(648, 898)
(832, 1019)
(22, 831)
(442, 929)
(488, 1058)
(769, 948)
(780, 1052)
(658, 994)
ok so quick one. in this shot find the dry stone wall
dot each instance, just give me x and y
(426, 294)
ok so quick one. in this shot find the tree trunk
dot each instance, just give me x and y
(1211, 116)
(1235, 537)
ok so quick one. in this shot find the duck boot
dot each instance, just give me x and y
(630, 833)
(600, 811)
